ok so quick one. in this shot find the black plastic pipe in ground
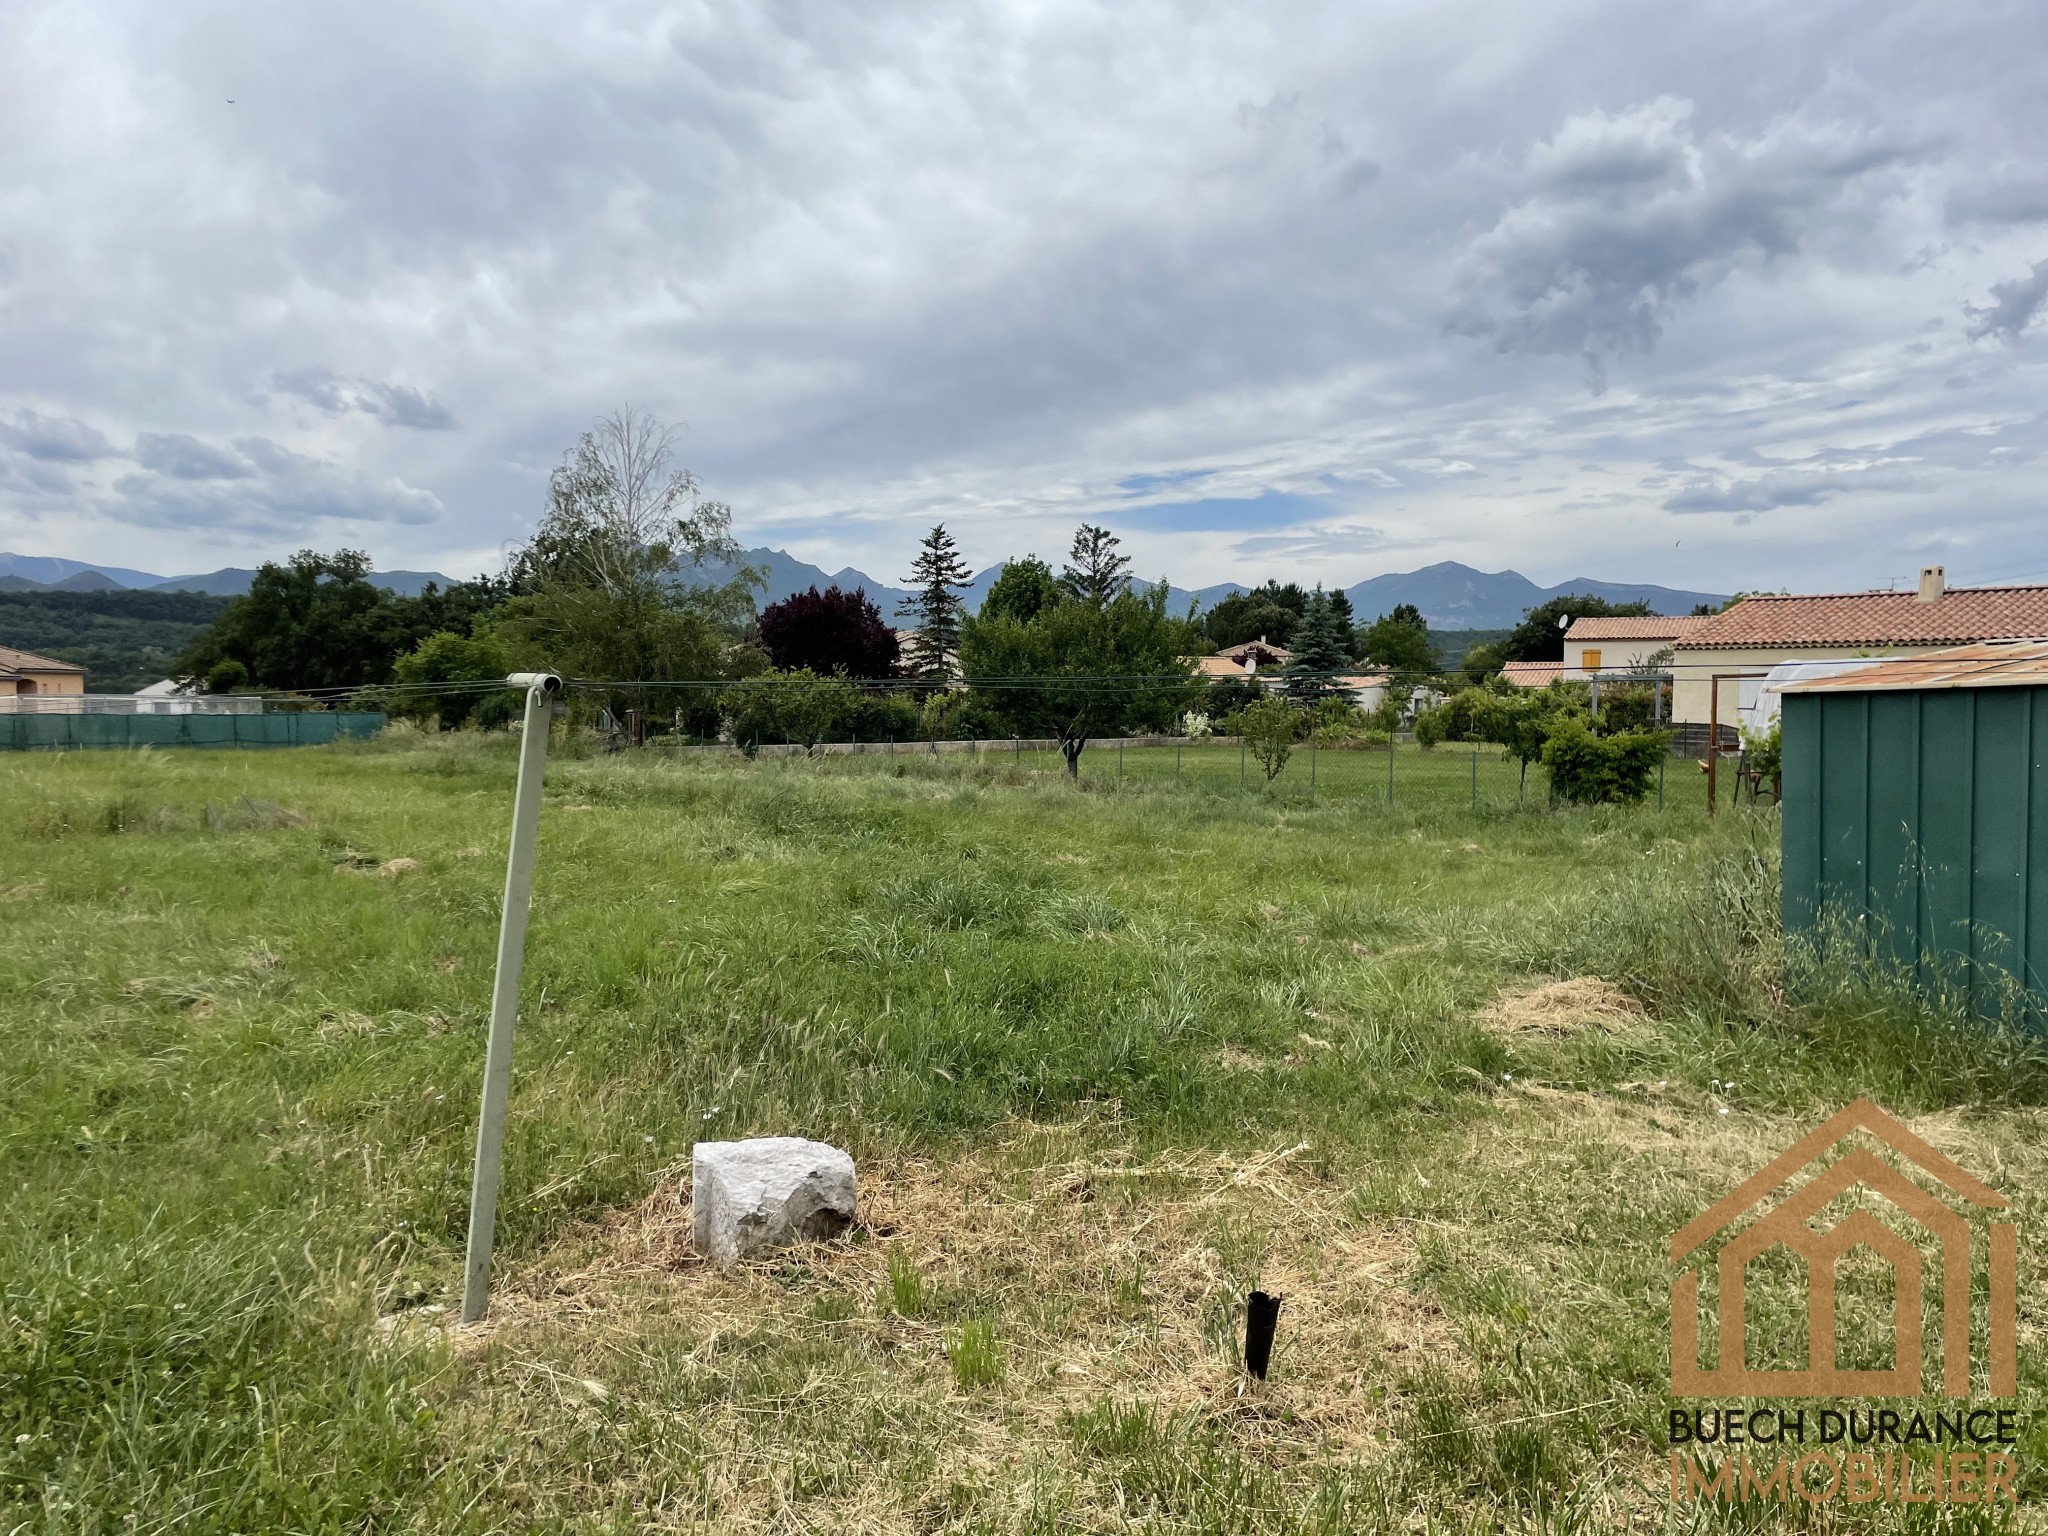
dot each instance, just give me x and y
(1261, 1317)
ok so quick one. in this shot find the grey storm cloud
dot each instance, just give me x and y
(1805, 485)
(891, 264)
(54, 439)
(2012, 308)
(1621, 217)
(2023, 200)
(258, 486)
(183, 457)
(398, 405)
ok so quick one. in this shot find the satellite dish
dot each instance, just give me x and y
(1564, 621)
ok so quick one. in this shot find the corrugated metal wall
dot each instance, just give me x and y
(1926, 813)
(29, 733)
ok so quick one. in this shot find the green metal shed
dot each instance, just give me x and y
(1916, 806)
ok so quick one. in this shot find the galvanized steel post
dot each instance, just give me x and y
(541, 688)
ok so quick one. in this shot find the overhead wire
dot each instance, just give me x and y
(1128, 682)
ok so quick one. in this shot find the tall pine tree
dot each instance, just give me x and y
(1095, 572)
(1322, 649)
(936, 573)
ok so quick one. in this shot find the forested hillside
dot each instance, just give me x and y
(124, 640)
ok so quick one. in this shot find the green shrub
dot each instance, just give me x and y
(881, 717)
(1601, 770)
(460, 662)
(226, 676)
(1432, 727)
(1334, 719)
(795, 706)
(1764, 752)
(1626, 707)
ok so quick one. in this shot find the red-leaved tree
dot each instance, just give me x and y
(830, 631)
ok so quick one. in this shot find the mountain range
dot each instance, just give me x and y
(1449, 595)
(51, 573)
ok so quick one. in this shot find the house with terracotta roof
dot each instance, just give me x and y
(1623, 643)
(1255, 656)
(1261, 661)
(1761, 633)
(22, 673)
(1531, 674)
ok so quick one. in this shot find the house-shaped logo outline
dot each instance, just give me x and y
(1787, 1224)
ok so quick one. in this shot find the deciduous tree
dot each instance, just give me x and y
(1269, 728)
(1399, 643)
(601, 590)
(1024, 589)
(458, 660)
(1272, 611)
(1077, 671)
(315, 622)
(830, 631)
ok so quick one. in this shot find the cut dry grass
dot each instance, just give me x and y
(1101, 1274)
(1560, 1009)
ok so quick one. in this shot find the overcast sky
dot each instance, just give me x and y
(1718, 295)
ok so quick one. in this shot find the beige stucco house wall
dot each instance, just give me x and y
(1692, 693)
(25, 674)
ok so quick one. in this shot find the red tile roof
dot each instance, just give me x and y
(1532, 674)
(1261, 647)
(2023, 665)
(1635, 627)
(1960, 616)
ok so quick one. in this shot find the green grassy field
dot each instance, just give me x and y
(1109, 1055)
(1453, 776)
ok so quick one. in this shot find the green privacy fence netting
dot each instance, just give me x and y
(37, 732)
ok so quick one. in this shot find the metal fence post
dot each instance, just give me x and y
(1661, 762)
(1176, 762)
(1119, 759)
(1311, 767)
(1390, 767)
(1240, 760)
(1475, 778)
(541, 688)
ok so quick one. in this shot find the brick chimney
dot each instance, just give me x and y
(1933, 582)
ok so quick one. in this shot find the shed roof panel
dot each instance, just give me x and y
(2022, 664)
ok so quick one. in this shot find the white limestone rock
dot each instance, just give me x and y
(767, 1192)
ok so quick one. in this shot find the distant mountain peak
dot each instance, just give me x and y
(1449, 594)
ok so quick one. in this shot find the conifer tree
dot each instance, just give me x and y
(1095, 572)
(1322, 648)
(936, 573)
